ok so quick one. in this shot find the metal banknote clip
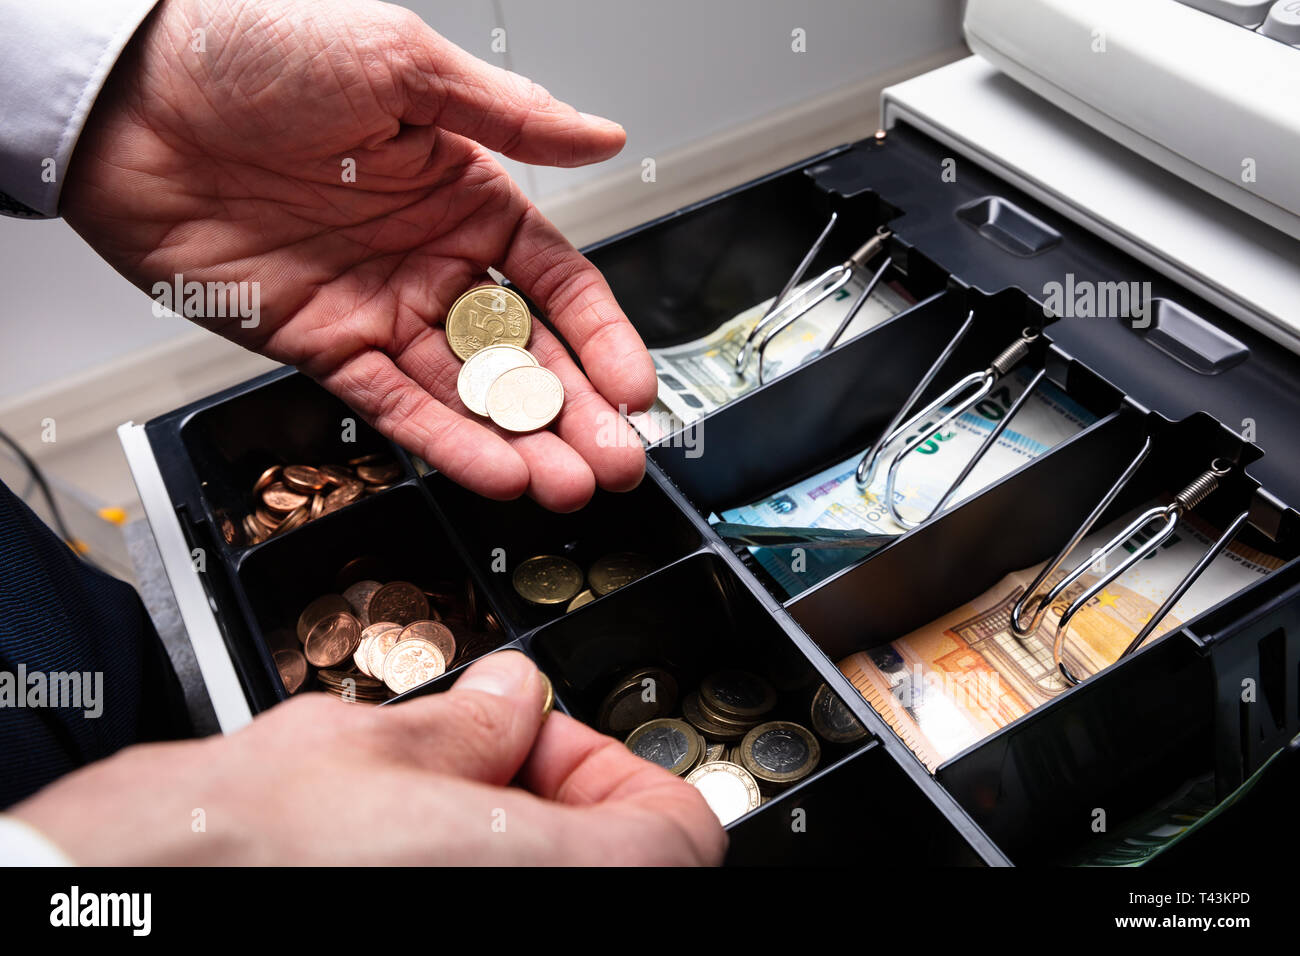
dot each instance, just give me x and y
(977, 385)
(796, 300)
(1165, 518)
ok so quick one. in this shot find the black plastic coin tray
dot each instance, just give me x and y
(1122, 740)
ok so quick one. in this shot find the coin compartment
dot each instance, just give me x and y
(847, 811)
(396, 528)
(499, 535)
(283, 420)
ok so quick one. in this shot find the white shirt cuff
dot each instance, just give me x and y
(23, 845)
(54, 58)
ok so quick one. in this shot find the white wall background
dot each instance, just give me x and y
(672, 72)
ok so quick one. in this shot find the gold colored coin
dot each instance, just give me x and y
(485, 316)
(549, 703)
(709, 728)
(639, 697)
(780, 752)
(584, 598)
(483, 368)
(737, 694)
(547, 579)
(671, 743)
(525, 399)
(833, 720)
(615, 570)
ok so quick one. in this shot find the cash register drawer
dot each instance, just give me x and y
(1122, 740)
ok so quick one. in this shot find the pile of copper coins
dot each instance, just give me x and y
(375, 639)
(488, 328)
(288, 496)
(548, 579)
(720, 736)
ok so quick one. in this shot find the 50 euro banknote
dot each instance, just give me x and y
(948, 685)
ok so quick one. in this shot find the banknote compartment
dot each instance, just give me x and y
(1126, 737)
(681, 276)
(499, 535)
(836, 405)
(397, 529)
(280, 420)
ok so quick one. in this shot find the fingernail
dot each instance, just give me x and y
(593, 118)
(503, 674)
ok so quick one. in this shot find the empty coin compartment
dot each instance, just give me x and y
(500, 535)
(395, 536)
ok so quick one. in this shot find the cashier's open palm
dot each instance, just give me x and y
(336, 153)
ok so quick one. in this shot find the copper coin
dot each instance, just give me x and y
(384, 637)
(320, 608)
(294, 519)
(292, 667)
(365, 459)
(303, 478)
(266, 519)
(332, 640)
(346, 493)
(366, 567)
(525, 399)
(279, 497)
(400, 602)
(266, 478)
(436, 634)
(361, 653)
(317, 506)
(336, 474)
(411, 663)
(358, 595)
(253, 530)
(379, 473)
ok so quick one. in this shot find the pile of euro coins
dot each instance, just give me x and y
(549, 580)
(375, 640)
(288, 496)
(721, 737)
(488, 328)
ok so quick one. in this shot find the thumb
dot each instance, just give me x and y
(500, 109)
(483, 728)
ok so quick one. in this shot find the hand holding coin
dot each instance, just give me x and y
(478, 775)
(357, 268)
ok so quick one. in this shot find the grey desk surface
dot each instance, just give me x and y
(156, 592)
